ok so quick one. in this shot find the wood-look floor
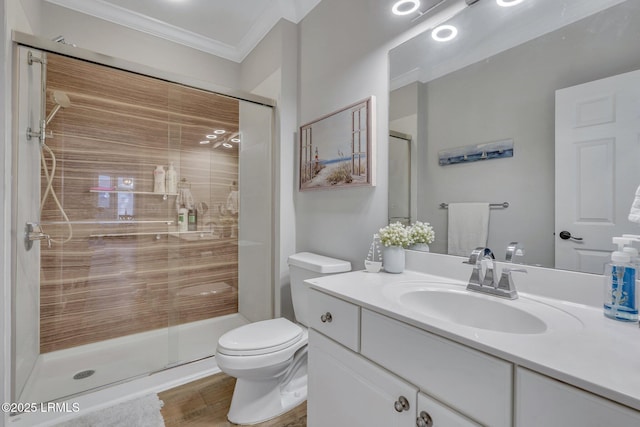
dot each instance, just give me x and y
(206, 402)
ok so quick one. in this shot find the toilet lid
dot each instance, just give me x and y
(261, 337)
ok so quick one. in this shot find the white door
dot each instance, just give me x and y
(597, 169)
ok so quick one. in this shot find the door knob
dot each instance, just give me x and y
(565, 235)
(424, 420)
(326, 318)
(402, 404)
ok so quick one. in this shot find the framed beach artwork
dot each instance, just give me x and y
(337, 150)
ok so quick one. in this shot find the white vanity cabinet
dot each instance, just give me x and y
(537, 404)
(345, 389)
(471, 382)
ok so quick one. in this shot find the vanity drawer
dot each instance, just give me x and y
(471, 382)
(335, 318)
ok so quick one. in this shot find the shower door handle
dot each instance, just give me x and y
(33, 231)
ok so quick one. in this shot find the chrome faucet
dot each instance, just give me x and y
(486, 282)
(477, 257)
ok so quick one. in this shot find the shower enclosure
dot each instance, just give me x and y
(107, 285)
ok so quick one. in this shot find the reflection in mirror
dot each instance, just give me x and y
(558, 79)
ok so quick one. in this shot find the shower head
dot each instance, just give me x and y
(61, 100)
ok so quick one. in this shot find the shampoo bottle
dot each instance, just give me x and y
(620, 287)
(192, 222)
(171, 180)
(182, 218)
(158, 180)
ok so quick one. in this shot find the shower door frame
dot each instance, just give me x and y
(29, 41)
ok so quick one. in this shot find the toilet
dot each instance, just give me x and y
(269, 358)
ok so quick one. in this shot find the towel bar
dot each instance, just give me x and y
(491, 205)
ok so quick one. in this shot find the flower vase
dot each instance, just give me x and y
(422, 247)
(393, 259)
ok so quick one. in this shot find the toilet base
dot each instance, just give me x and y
(255, 401)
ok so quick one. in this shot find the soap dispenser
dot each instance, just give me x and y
(620, 285)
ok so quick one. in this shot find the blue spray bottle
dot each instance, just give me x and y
(620, 302)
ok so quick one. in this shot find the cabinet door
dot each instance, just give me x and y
(473, 383)
(347, 390)
(542, 401)
(440, 415)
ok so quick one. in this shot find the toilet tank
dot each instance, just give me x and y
(307, 265)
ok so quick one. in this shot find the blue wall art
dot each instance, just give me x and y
(474, 153)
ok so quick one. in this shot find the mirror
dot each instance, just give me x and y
(497, 81)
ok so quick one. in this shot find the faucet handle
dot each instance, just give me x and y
(506, 281)
(514, 250)
(514, 270)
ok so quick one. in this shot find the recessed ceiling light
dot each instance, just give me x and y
(405, 7)
(219, 131)
(227, 145)
(235, 139)
(508, 3)
(444, 33)
(211, 136)
(206, 141)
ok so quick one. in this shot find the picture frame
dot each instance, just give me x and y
(338, 149)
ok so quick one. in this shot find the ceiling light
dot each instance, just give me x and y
(235, 139)
(219, 131)
(508, 3)
(444, 33)
(227, 145)
(206, 141)
(211, 136)
(405, 7)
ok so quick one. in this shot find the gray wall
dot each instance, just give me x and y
(343, 59)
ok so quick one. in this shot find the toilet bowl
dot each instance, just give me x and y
(269, 357)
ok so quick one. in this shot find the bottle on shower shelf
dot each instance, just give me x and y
(171, 180)
(183, 213)
(159, 180)
(192, 221)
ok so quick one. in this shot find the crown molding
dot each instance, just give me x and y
(292, 10)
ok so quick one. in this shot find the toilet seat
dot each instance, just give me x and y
(264, 337)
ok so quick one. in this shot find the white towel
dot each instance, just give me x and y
(468, 227)
(634, 214)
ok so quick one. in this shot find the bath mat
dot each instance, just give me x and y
(141, 412)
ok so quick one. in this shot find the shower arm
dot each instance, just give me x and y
(42, 122)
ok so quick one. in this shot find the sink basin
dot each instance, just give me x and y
(471, 309)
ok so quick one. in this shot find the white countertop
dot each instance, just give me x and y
(590, 351)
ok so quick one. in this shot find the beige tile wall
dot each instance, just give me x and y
(121, 125)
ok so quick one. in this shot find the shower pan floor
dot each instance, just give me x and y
(123, 358)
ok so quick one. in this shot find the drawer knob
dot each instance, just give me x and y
(326, 318)
(402, 404)
(424, 420)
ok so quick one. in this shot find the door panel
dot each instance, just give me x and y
(597, 150)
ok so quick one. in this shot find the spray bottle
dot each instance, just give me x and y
(620, 285)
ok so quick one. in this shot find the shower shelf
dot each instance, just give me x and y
(93, 190)
(152, 233)
(112, 222)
